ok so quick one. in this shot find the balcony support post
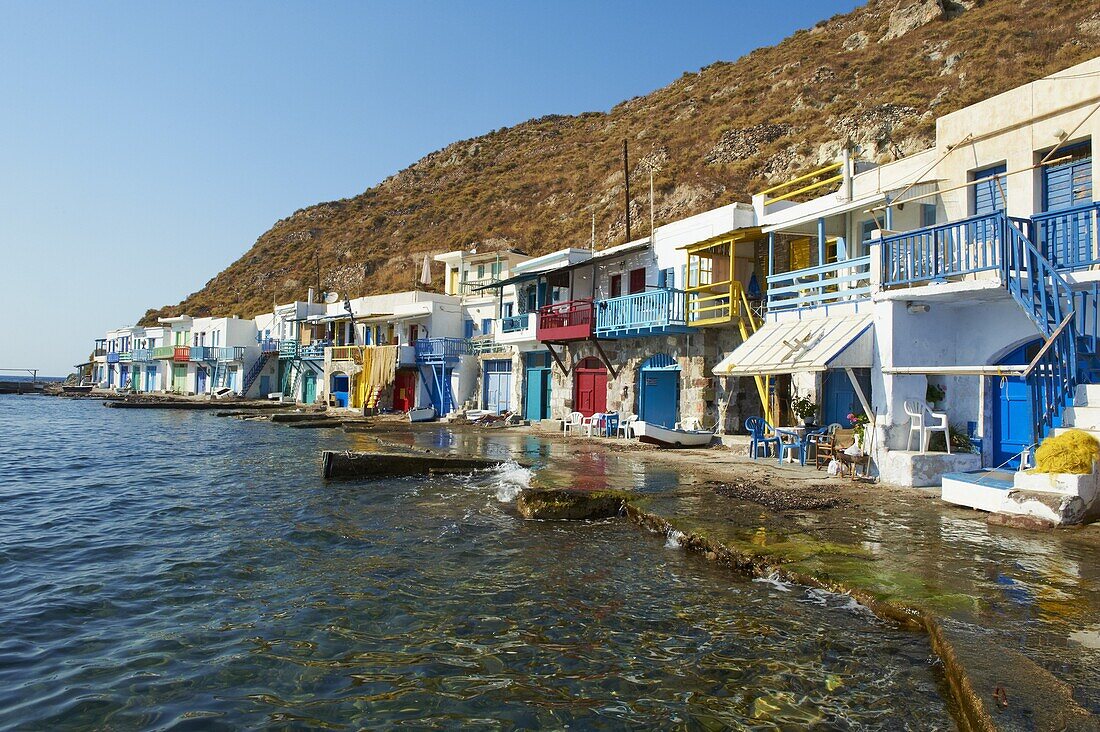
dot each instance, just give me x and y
(606, 361)
(557, 360)
(821, 240)
(771, 253)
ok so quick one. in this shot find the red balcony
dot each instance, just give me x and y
(566, 321)
(182, 354)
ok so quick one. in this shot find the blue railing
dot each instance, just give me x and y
(848, 280)
(315, 351)
(440, 349)
(232, 353)
(649, 311)
(514, 323)
(1068, 238)
(1086, 317)
(1032, 280)
(141, 354)
(203, 353)
(289, 349)
(255, 369)
(112, 357)
(270, 345)
(937, 252)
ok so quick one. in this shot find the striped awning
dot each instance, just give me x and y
(793, 346)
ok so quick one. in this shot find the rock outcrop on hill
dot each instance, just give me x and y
(875, 78)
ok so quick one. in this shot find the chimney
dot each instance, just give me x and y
(309, 298)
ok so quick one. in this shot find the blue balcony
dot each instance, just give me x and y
(112, 357)
(271, 345)
(289, 349)
(936, 253)
(440, 350)
(848, 280)
(141, 355)
(514, 323)
(315, 351)
(203, 353)
(652, 312)
(232, 353)
(1068, 238)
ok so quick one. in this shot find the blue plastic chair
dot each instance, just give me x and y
(758, 429)
(801, 444)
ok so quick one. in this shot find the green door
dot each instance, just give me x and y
(179, 376)
(310, 387)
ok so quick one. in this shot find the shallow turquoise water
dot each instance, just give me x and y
(164, 570)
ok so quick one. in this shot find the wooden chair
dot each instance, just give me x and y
(831, 444)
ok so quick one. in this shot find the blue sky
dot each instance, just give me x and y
(144, 146)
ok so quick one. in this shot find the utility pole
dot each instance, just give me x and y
(317, 266)
(592, 243)
(626, 183)
(651, 202)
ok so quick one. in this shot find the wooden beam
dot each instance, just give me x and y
(859, 393)
(606, 362)
(554, 355)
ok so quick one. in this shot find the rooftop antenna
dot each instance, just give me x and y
(626, 181)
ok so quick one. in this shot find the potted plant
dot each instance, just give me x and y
(805, 409)
(934, 394)
(859, 426)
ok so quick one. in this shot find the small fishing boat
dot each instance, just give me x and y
(422, 414)
(670, 437)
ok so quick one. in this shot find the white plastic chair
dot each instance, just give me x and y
(591, 425)
(689, 424)
(573, 421)
(626, 426)
(917, 411)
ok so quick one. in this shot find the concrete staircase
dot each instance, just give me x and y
(1048, 499)
(1084, 414)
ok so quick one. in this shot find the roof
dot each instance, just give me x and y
(802, 214)
(736, 235)
(596, 258)
(791, 346)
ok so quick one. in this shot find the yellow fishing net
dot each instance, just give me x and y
(1073, 451)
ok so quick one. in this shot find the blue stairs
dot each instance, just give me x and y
(254, 372)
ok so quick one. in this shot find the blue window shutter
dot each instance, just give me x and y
(928, 214)
(865, 230)
(486, 326)
(468, 329)
(1069, 184)
(987, 192)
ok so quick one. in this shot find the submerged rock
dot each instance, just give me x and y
(564, 504)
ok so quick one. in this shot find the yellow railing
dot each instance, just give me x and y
(347, 353)
(715, 303)
(801, 179)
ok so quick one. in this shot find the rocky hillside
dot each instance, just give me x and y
(875, 77)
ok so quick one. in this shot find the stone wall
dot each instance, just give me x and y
(702, 396)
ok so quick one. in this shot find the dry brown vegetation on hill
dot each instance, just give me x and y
(876, 77)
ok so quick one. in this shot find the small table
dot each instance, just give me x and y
(797, 433)
(611, 424)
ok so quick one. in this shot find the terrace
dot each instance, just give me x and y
(141, 355)
(203, 353)
(440, 350)
(161, 352)
(231, 353)
(653, 312)
(566, 321)
(181, 354)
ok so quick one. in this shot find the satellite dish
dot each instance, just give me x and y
(332, 298)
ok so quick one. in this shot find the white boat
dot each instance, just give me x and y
(668, 437)
(422, 414)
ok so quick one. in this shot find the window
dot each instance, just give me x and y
(481, 271)
(865, 230)
(495, 269)
(927, 214)
(468, 329)
(615, 285)
(666, 278)
(637, 280)
(800, 254)
(990, 190)
(507, 310)
(486, 326)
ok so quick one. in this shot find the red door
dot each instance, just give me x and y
(637, 280)
(404, 390)
(590, 387)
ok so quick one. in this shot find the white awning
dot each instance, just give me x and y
(792, 346)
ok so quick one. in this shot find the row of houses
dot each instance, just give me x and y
(971, 268)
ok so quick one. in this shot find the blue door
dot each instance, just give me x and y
(498, 385)
(1012, 414)
(537, 402)
(340, 389)
(1067, 239)
(659, 391)
(150, 378)
(841, 398)
(265, 385)
(123, 375)
(200, 380)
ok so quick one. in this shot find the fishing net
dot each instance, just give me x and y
(1073, 451)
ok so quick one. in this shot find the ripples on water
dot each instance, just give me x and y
(175, 570)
